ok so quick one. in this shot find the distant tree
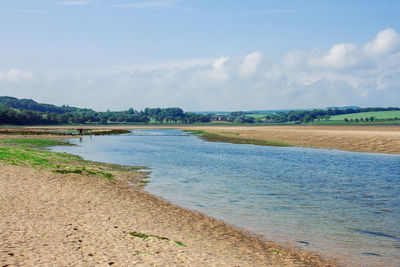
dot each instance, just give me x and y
(103, 120)
(371, 118)
(159, 118)
(346, 120)
(307, 118)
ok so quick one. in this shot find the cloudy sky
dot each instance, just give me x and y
(201, 54)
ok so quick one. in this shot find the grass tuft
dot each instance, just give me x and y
(140, 235)
(146, 236)
(180, 244)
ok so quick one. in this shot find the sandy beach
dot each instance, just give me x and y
(372, 139)
(49, 219)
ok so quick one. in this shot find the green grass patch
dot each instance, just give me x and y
(18, 156)
(140, 235)
(180, 243)
(229, 133)
(107, 175)
(84, 170)
(35, 142)
(376, 114)
(257, 115)
(213, 137)
(31, 152)
(146, 236)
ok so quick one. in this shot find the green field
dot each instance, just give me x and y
(375, 114)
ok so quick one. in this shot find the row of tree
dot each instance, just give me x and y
(15, 116)
(27, 111)
(305, 116)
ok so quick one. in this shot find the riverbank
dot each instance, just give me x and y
(371, 139)
(90, 218)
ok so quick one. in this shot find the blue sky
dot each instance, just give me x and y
(201, 55)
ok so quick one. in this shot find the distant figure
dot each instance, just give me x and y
(80, 132)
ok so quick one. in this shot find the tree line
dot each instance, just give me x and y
(15, 111)
(306, 116)
(28, 112)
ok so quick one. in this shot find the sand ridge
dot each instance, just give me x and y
(373, 139)
(51, 219)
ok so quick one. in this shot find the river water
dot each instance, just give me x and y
(344, 205)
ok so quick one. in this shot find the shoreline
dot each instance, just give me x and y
(370, 139)
(208, 241)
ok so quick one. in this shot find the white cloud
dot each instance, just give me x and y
(176, 65)
(15, 75)
(346, 74)
(385, 42)
(218, 71)
(339, 56)
(250, 63)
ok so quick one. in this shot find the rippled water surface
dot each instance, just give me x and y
(344, 205)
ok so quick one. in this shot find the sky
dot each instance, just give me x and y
(201, 55)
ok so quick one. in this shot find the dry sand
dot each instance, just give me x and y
(374, 139)
(49, 219)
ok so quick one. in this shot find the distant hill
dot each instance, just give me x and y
(275, 111)
(29, 104)
(345, 107)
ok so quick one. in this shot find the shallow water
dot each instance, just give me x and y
(344, 205)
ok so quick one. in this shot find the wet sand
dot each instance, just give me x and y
(373, 139)
(76, 220)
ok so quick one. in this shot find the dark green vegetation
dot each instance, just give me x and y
(368, 116)
(15, 111)
(32, 153)
(146, 236)
(71, 132)
(84, 170)
(213, 137)
(325, 116)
